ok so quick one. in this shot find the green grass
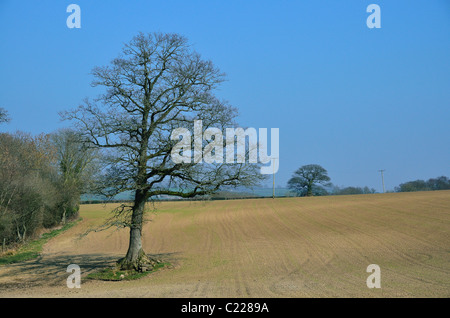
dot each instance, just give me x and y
(32, 249)
(113, 274)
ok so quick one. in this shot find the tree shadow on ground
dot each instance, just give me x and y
(51, 270)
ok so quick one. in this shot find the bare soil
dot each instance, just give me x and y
(286, 247)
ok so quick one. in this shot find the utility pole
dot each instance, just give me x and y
(382, 179)
(273, 186)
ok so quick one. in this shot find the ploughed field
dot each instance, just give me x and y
(285, 247)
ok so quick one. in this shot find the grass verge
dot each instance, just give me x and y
(115, 274)
(32, 249)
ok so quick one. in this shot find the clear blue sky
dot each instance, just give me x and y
(352, 99)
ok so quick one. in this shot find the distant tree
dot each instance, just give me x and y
(367, 190)
(352, 190)
(439, 183)
(308, 180)
(417, 185)
(3, 116)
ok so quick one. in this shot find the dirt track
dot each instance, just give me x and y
(289, 247)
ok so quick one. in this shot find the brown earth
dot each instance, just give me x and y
(287, 247)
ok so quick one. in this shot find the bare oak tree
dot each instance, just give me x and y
(157, 84)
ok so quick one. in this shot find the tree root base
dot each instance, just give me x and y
(143, 263)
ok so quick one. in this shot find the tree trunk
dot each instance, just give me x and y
(18, 233)
(63, 220)
(309, 190)
(136, 259)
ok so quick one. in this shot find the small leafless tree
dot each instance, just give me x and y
(27, 191)
(157, 84)
(3, 116)
(77, 166)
